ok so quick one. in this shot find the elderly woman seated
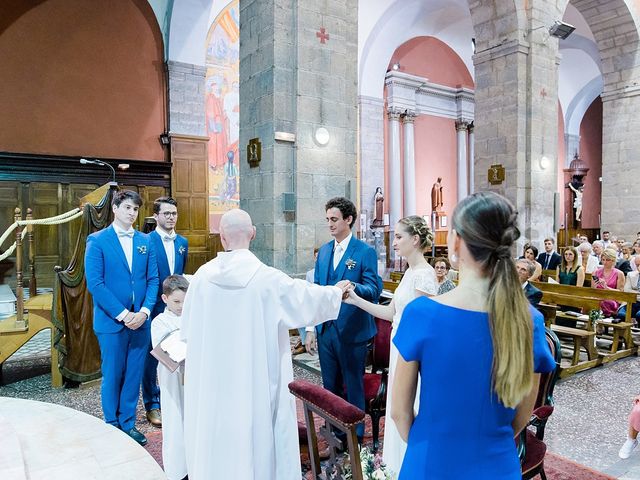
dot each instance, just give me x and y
(589, 262)
(598, 248)
(624, 263)
(443, 284)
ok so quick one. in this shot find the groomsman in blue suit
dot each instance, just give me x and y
(122, 276)
(171, 252)
(342, 343)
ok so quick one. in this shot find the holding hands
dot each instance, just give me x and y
(346, 286)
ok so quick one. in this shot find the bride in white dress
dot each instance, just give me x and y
(412, 237)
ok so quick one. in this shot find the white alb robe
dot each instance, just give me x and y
(171, 401)
(240, 419)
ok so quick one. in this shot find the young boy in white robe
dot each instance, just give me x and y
(171, 384)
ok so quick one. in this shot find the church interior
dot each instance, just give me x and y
(404, 107)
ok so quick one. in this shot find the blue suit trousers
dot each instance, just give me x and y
(123, 356)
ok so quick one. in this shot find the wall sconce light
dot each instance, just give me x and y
(561, 30)
(322, 136)
(545, 163)
(395, 66)
(165, 139)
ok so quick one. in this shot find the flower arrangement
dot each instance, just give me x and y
(594, 316)
(142, 249)
(181, 250)
(373, 468)
(351, 264)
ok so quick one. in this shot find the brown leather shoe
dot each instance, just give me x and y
(154, 417)
(298, 349)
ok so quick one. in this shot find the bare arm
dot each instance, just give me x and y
(384, 312)
(580, 279)
(558, 274)
(620, 284)
(524, 409)
(404, 395)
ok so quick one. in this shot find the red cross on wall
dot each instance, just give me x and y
(322, 35)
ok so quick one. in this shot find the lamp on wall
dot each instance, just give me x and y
(165, 139)
(561, 30)
(545, 162)
(322, 136)
(396, 66)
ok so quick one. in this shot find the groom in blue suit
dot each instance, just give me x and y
(122, 276)
(171, 252)
(342, 343)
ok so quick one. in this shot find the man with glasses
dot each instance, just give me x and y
(171, 252)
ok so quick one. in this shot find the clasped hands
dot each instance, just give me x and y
(134, 320)
(346, 286)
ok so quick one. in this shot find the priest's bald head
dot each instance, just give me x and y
(236, 230)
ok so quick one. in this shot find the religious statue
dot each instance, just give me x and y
(578, 190)
(436, 196)
(378, 219)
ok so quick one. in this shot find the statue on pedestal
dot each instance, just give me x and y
(437, 196)
(378, 219)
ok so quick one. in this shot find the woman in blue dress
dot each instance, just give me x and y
(478, 349)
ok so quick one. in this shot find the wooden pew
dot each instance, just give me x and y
(589, 299)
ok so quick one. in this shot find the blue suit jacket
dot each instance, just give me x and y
(114, 288)
(355, 325)
(181, 247)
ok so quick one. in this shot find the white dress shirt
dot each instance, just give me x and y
(126, 242)
(168, 239)
(338, 250)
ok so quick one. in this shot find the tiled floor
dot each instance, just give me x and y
(587, 426)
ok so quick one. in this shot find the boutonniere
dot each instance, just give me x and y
(350, 263)
(142, 249)
(181, 250)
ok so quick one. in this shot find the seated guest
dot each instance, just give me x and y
(525, 269)
(443, 284)
(606, 239)
(583, 238)
(608, 277)
(530, 254)
(549, 259)
(632, 284)
(589, 262)
(636, 248)
(597, 249)
(624, 263)
(524, 249)
(570, 271)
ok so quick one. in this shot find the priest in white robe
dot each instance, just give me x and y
(240, 419)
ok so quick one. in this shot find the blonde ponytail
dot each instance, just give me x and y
(487, 222)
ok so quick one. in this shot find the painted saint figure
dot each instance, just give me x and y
(378, 220)
(436, 196)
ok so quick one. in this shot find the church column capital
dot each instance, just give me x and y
(462, 125)
(470, 128)
(394, 114)
(409, 117)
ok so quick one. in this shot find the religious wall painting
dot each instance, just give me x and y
(222, 110)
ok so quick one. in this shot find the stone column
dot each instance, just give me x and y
(395, 169)
(462, 165)
(472, 157)
(409, 187)
(298, 73)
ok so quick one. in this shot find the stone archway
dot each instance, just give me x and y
(614, 24)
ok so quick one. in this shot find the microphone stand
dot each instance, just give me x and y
(84, 161)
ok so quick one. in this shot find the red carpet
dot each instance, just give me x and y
(556, 467)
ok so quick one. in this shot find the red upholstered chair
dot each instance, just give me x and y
(375, 383)
(531, 446)
(338, 414)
